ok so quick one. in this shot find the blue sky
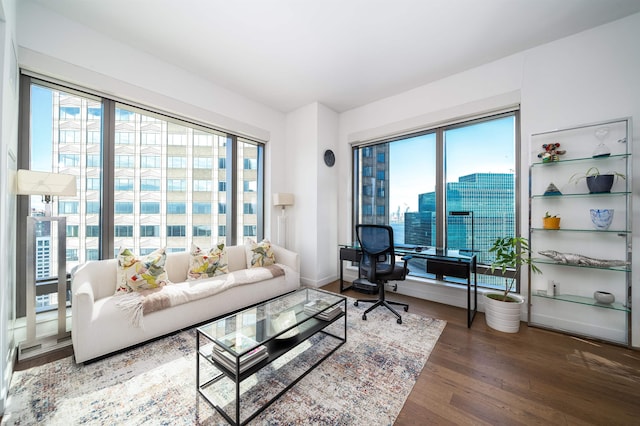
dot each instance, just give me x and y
(485, 147)
(41, 128)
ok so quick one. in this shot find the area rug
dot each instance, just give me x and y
(366, 381)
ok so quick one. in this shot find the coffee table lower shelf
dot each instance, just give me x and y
(291, 358)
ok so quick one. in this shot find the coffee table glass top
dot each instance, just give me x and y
(281, 318)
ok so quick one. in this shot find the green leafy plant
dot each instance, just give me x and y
(547, 215)
(511, 253)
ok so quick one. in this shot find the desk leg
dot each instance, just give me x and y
(471, 314)
(342, 287)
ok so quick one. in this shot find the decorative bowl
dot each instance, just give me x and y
(601, 218)
(604, 297)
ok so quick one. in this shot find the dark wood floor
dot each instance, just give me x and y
(479, 376)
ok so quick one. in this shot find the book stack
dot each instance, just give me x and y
(239, 343)
(315, 306)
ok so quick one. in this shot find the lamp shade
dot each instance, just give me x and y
(282, 199)
(30, 182)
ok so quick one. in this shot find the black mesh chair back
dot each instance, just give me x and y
(376, 242)
(378, 264)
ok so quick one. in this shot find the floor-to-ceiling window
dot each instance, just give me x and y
(145, 179)
(448, 187)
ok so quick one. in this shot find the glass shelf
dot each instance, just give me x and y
(582, 194)
(622, 232)
(574, 205)
(551, 262)
(578, 160)
(589, 301)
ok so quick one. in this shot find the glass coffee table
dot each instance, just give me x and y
(245, 361)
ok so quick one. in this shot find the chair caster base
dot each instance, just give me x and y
(364, 317)
(399, 321)
(355, 303)
(406, 309)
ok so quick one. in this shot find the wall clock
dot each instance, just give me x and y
(329, 158)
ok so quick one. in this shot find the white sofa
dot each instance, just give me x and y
(100, 327)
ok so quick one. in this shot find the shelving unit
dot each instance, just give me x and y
(572, 308)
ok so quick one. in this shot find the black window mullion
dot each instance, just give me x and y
(231, 177)
(441, 230)
(108, 165)
(261, 199)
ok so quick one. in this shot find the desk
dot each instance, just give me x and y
(352, 254)
(440, 262)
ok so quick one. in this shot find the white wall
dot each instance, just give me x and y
(8, 152)
(301, 168)
(328, 186)
(587, 77)
(312, 221)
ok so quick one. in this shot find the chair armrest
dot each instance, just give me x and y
(406, 258)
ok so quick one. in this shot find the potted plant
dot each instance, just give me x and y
(502, 310)
(550, 222)
(597, 182)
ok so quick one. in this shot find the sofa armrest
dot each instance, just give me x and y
(100, 275)
(82, 302)
(286, 257)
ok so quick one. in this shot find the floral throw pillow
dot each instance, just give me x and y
(207, 264)
(259, 254)
(141, 273)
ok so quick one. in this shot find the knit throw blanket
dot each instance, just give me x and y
(138, 304)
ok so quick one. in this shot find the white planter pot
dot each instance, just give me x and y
(503, 316)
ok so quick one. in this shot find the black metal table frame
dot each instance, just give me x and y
(238, 377)
(440, 265)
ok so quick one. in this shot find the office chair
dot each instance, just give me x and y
(378, 265)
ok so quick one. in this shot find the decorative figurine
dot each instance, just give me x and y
(551, 152)
(552, 189)
(578, 259)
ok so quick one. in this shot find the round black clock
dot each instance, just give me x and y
(329, 158)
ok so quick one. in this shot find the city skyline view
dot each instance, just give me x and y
(412, 166)
(398, 186)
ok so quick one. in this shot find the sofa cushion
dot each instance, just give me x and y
(140, 273)
(259, 254)
(207, 264)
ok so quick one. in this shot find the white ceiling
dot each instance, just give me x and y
(341, 53)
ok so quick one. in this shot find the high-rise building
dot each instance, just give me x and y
(374, 185)
(170, 180)
(488, 195)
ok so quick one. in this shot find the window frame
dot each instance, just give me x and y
(441, 234)
(101, 155)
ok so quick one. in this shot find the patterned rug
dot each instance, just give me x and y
(366, 381)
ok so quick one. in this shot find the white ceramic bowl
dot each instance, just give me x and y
(604, 297)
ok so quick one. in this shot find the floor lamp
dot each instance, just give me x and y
(47, 185)
(283, 200)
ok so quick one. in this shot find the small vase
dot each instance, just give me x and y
(551, 223)
(601, 218)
